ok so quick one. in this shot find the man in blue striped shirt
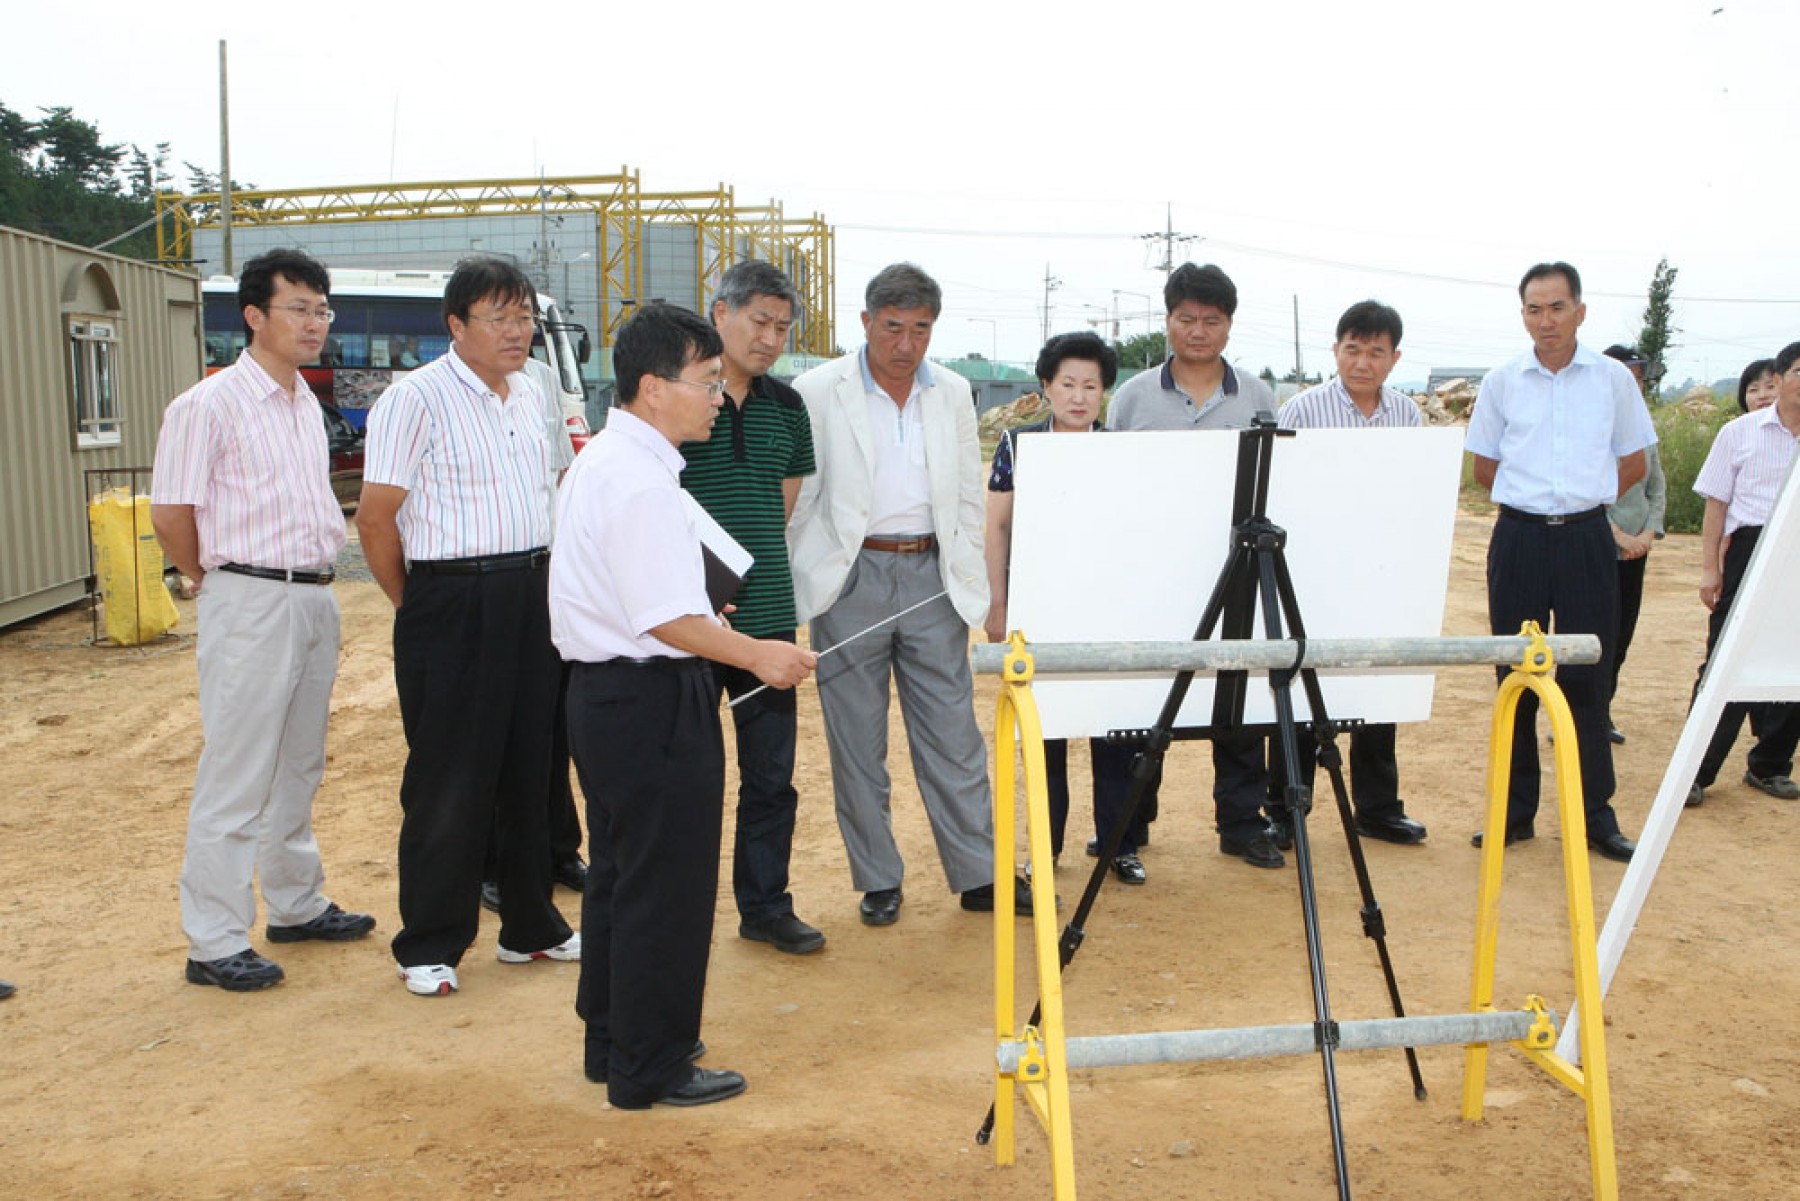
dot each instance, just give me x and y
(1366, 350)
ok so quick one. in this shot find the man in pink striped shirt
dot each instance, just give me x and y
(1750, 460)
(242, 504)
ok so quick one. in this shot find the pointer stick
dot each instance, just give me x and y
(870, 630)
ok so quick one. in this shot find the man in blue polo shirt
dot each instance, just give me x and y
(746, 476)
(1196, 389)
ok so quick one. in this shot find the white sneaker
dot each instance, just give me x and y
(568, 951)
(430, 979)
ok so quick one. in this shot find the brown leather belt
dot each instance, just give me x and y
(902, 546)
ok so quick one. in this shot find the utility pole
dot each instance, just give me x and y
(1051, 283)
(1299, 376)
(1168, 237)
(225, 161)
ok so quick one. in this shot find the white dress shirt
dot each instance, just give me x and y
(1559, 436)
(901, 502)
(627, 556)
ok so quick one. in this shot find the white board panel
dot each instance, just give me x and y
(1123, 536)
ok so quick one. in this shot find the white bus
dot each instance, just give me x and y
(386, 324)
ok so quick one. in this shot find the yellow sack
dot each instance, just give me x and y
(129, 561)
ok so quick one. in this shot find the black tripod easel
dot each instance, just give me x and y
(1256, 571)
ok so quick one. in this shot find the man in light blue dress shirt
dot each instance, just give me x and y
(1557, 434)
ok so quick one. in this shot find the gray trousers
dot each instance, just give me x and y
(267, 657)
(927, 654)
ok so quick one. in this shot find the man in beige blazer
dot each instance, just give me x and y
(893, 520)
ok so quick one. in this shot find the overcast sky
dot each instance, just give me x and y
(1418, 151)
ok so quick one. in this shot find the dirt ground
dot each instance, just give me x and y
(870, 1063)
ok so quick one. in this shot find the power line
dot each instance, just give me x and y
(1291, 256)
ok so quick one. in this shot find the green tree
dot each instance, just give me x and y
(1657, 337)
(1142, 350)
(61, 178)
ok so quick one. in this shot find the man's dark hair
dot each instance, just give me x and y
(256, 284)
(744, 282)
(484, 277)
(1546, 270)
(1206, 285)
(903, 286)
(661, 340)
(1752, 373)
(1370, 319)
(1087, 346)
(1790, 354)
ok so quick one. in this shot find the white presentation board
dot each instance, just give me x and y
(1122, 536)
(1757, 658)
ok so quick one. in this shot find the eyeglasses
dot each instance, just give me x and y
(522, 324)
(303, 313)
(714, 390)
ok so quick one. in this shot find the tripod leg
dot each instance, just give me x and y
(1373, 923)
(1299, 802)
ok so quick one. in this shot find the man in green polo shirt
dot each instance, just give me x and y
(747, 476)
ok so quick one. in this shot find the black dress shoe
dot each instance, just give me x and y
(1615, 735)
(1781, 788)
(596, 1068)
(981, 900)
(881, 907)
(1093, 848)
(1259, 851)
(244, 972)
(1514, 834)
(1616, 847)
(1390, 826)
(1696, 796)
(1281, 833)
(6, 990)
(570, 873)
(1129, 869)
(702, 1088)
(490, 896)
(785, 933)
(334, 925)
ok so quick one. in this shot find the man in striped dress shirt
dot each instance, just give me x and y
(746, 475)
(1744, 472)
(1367, 350)
(455, 525)
(242, 504)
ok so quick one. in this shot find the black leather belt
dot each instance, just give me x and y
(1553, 518)
(901, 546)
(276, 573)
(523, 560)
(654, 663)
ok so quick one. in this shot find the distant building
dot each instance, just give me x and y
(1443, 375)
(993, 384)
(92, 350)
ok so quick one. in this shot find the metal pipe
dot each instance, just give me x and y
(1263, 1042)
(1323, 654)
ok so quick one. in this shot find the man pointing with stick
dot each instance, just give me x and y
(629, 609)
(893, 516)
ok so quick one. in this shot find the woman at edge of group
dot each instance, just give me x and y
(1075, 371)
(1758, 386)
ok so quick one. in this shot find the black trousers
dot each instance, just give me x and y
(1111, 766)
(1566, 576)
(1631, 600)
(651, 758)
(763, 842)
(565, 822)
(476, 676)
(1374, 771)
(1776, 725)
